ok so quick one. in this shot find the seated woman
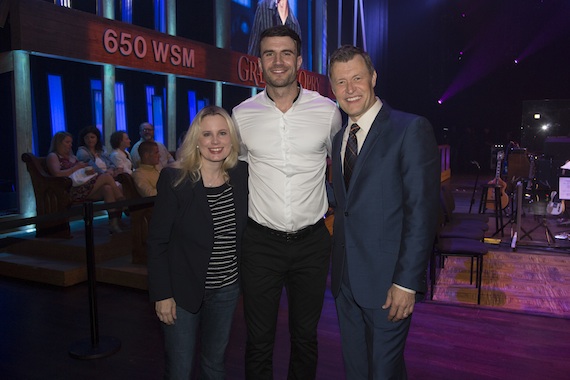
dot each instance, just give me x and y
(91, 151)
(62, 163)
(120, 141)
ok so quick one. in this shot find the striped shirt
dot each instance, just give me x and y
(223, 266)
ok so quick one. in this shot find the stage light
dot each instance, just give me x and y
(545, 127)
(537, 116)
(516, 61)
(440, 101)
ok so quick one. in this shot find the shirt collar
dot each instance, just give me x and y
(147, 167)
(366, 120)
(299, 88)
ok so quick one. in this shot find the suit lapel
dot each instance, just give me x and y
(202, 199)
(377, 129)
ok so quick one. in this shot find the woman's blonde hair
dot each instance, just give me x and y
(190, 158)
(57, 139)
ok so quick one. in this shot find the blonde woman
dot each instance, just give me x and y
(194, 245)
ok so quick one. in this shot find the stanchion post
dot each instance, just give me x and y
(96, 347)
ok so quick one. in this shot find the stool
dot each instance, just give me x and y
(473, 249)
(497, 203)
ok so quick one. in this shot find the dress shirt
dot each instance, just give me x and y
(146, 177)
(365, 122)
(121, 159)
(287, 155)
(165, 156)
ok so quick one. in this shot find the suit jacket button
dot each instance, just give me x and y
(346, 213)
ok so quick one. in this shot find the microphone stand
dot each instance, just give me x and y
(475, 185)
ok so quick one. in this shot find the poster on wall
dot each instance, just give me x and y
(251, 17)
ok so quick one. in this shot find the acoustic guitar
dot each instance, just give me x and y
(555, 205)
(504, 198)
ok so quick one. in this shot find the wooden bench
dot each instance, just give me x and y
(53, 196)
(140, 218)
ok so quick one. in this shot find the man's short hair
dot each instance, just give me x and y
(282, 31)
(147, 147)
(347, 52)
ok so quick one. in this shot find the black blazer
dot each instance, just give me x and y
(181, 236)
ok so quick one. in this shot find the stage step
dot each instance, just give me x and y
(62, 262)
(44, 270)
(121, 271)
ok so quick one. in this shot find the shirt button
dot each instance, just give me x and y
(346, 213)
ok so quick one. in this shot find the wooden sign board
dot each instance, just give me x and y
(44, 28)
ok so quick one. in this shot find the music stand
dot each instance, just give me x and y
(564, 188)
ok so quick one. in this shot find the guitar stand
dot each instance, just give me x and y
(542, 223)
(513, 217)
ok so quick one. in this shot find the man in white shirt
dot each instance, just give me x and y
(286, 134)
(146, 131)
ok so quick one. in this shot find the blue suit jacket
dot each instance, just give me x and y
(181, 236)
(385, 224)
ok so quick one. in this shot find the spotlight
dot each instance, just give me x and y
(537, 116)
(440, 101)
(516, 61)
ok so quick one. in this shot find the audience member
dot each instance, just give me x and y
(146, 131)
(146, 175)
(194, 245)
(120, 141)
(62, 163)
(92, 152)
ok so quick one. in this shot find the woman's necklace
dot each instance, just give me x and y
(212, 182)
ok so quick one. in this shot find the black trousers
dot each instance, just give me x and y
(268, 263)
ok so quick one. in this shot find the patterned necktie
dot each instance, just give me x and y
(350, 154)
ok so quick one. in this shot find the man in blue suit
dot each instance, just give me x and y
(385, 170)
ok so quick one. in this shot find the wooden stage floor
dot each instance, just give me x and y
(40, 322)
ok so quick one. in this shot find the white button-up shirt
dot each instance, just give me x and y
(286, 153)
(365, 122)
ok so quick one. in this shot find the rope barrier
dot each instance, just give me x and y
(96, 346)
